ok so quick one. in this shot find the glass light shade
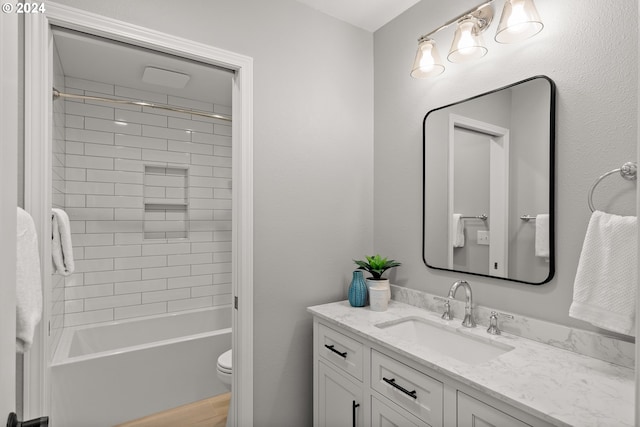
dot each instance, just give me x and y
(427, 62)
(467, 42)
(519, 21)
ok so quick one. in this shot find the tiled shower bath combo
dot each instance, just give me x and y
(148, 194)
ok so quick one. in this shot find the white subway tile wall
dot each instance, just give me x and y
(148, 193)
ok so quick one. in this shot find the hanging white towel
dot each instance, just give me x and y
(542, 236)
(61, 245)
(28, 282)
(604, 291)
(457, 231)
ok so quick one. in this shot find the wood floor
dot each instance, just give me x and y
(210, 412)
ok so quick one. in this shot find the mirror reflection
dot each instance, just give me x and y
(488, 183)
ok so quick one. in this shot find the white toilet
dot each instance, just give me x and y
(224, 369)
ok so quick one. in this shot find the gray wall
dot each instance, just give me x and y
(595, 69)
(313, 168)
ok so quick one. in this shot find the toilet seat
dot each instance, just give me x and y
(224, 371)
(225, 362)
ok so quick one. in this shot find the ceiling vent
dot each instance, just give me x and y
(166, 78)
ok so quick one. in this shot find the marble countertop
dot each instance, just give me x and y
(555, 385)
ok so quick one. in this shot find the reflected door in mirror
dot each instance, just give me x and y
(488, 161)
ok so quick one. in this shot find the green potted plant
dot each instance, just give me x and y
(376, 266)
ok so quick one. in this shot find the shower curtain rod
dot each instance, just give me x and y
(58, 94)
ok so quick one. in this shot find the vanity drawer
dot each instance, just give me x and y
(383, 415)
(472, 412)
(412, 390)
(342, 351)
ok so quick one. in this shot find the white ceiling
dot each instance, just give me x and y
(93, 58)
(367, 14)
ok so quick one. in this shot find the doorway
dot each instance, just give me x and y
(38, 198)
(478, 189)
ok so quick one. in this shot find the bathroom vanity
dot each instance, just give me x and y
(408, 367)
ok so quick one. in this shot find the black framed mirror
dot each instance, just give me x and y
(488, 183)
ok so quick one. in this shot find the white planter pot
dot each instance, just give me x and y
(380, 283)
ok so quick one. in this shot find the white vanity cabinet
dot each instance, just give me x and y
(360, 383)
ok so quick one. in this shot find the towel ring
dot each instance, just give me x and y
(628, 171)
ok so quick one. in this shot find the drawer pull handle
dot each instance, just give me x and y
(392, 382)
(331, 347)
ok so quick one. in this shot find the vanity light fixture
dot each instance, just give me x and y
(519, 21)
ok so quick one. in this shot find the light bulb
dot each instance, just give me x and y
(467, 42)
(427, 62)
(518, 18)
(519, 21)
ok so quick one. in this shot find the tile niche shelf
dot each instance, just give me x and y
(166, 203)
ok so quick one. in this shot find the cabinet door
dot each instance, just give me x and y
(474, 413)
(340, 400)
(384, 416)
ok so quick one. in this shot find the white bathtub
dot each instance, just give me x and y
(106, 374)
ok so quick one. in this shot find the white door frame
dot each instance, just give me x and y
(637, 353)
(38, 99)
(8, 195)
(499, 197)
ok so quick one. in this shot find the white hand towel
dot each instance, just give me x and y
(457, 231)
(542, 235)
(28, 282)
(61, 245)
(604, 291)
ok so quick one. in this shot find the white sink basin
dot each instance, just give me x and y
(446, 340)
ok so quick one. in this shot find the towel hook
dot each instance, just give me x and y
(628, 171)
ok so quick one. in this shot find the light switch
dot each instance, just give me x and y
(483, 237)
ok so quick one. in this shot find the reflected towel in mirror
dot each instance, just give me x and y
(457, 231)
(542, 236)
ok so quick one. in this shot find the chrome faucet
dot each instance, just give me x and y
(493, 322)
(468, 321)
(447, 308)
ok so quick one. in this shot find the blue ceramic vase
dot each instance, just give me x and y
(358, 290)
